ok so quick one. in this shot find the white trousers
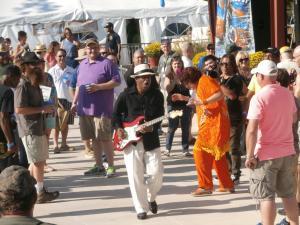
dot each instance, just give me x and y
(145, 174)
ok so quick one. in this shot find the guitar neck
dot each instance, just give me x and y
(151, 122)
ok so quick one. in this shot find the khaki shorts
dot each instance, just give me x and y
(36, 148)
(95, 128)
(276, 176)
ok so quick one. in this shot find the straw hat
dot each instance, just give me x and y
(40, 48)
(81, 54)
(3, 48)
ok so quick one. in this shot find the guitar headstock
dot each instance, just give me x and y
(173, 114)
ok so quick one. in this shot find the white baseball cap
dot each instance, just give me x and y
(266, 68)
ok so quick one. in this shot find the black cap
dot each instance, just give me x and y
(30, 57)
(273, 51)
(232, 48)
(109, 24)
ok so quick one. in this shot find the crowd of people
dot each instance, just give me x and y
(240, 111)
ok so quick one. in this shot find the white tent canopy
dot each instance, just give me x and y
(153, 19)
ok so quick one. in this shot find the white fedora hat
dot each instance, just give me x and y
(142, 70)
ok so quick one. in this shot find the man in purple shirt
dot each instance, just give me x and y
(97, 77)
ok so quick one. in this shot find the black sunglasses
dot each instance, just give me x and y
(244, 59)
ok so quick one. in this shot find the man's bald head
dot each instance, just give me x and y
(138, 57)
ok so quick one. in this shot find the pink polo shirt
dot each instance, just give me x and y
(273, 107)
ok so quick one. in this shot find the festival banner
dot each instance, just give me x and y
(234, 25)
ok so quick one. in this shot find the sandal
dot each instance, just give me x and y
(201, 192)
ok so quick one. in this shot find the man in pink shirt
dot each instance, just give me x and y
(270, 150)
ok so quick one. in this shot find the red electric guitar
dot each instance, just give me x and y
(131, 129)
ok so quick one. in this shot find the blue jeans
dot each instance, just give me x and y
(185, 121)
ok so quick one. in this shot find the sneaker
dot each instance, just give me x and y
(56, 150)
(45, 196)
(94, 171)
(187, 154)
(283, 222)
(88, 153)
(110, 172)
(153, 207)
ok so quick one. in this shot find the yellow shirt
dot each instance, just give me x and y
(254, 86)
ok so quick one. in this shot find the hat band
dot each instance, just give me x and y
(144, 71)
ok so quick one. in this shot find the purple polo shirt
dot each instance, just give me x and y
(99, 103)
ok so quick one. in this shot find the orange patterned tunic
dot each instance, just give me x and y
(213, 120)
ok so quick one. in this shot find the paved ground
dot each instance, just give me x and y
(101, 201)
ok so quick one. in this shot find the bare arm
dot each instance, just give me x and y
(215, 97)
(75, 99)
(119, 51)
(19, 51)
(251, 138)
(34, 110)
(5, 126)
(169, 84)
(228, 93)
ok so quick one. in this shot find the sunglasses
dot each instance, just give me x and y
(224, 64)
(244, 60)
(211, 49)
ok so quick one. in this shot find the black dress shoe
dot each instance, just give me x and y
(153, 207)
(142, 216)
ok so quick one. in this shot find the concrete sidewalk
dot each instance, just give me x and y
(101, 201)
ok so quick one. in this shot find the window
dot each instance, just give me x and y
(175, 30)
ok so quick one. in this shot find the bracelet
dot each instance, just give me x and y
(10, 145)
